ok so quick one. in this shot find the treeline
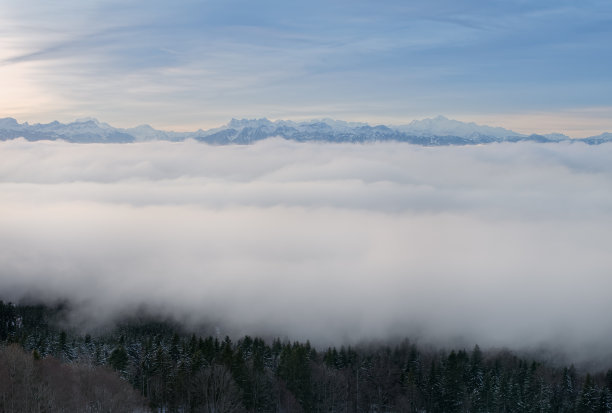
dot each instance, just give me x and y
(180, 372)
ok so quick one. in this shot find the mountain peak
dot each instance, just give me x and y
(605, 135)
(8, 123)
(443, 126)
(441, 118)
(87, 119)
(243, 123)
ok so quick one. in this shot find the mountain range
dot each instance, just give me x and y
(427, 132)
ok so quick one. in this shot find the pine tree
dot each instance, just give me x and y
(118, 359)
(588, 401)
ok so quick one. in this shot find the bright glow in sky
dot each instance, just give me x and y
(530, 66)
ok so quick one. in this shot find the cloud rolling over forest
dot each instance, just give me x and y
(502, 244)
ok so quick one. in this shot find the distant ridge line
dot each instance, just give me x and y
(436, 131)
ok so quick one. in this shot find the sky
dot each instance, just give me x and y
(530, 66)
(504, 245)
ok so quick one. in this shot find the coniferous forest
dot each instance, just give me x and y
(148, 364)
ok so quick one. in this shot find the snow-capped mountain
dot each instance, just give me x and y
(441, 126)
(604, 137)
(435, 131)
(81, 130)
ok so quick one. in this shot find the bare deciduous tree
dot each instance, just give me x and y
(29, 386)
(218, 392)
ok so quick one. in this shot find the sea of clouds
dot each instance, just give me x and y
(501, 244)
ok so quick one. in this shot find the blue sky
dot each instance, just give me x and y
(537, 66)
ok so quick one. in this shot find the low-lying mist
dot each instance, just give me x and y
(501, 245)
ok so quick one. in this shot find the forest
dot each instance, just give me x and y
(150, 364)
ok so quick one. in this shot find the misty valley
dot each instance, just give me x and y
(285, 276)
(305, 206)
(146, 363)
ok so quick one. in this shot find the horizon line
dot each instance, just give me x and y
(300, 120)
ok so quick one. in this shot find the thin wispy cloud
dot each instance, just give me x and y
(217, 60)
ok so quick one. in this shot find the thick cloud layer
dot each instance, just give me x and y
(504, 245)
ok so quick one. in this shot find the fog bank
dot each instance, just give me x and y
(503, 244)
